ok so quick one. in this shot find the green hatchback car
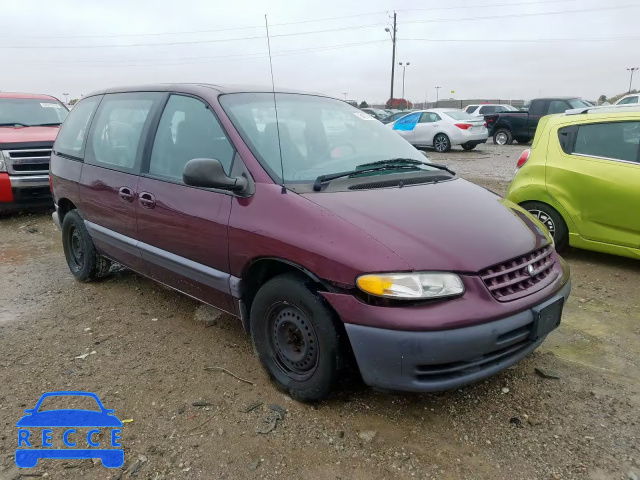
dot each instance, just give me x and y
(581, 179)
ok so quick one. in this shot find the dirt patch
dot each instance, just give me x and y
(153, 348)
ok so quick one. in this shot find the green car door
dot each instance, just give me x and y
(594, 174)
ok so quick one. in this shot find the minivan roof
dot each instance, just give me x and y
(26, 95)
(222, 89)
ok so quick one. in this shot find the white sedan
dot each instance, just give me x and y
(441, 128)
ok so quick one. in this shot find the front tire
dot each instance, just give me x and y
(296, 337)
(552, 220)
(441, 143)
(503, 137)
(85, 263)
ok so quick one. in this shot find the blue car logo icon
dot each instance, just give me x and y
(73, 425)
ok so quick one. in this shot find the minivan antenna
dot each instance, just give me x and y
(275, 105)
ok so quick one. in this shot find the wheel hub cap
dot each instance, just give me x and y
(441, 144)
(77, 252)
(501, 138)
(295, 342)
(545, 219)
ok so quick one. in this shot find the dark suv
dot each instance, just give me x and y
(327, 234)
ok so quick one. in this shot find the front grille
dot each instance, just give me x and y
(28, 160)
(514, 278)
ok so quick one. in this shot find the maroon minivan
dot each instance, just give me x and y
(327, 234)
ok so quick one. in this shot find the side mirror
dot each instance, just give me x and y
(208, 173)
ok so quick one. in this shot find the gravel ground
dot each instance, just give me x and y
(152, 347)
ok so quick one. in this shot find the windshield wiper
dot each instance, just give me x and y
(407, 161)
(14, 124)
(393, 161)
(52, 124)
(317, 185)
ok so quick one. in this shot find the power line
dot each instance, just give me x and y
(187, 42)
(520, 15)
(189, 32)
(485, 5)
(214, 59)
(519, 40)
(354, 27)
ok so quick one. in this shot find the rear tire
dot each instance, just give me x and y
(502, 136)
(552, 220)
(85, 263)
(468, 146)
(296, 337)
(441, 143)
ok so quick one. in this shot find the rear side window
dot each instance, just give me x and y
(486, 110)
(188, 129)
(628, 101)
(614, 140)
(538, 107)
(71, 138)
(558, 106)
(471, 108)
(429, 117)
(114, 140)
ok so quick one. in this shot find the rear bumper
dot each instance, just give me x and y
(430, 361)
(19, 191)
(464, 136)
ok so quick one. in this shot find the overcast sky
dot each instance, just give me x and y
(215, 42)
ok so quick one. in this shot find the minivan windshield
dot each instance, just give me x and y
(318, 135)
(31, 112)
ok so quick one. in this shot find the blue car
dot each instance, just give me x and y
(37, 447)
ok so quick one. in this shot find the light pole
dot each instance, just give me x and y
(633, 69)
(404, 69)
(393, 52)
(345, 95)
(437, 95)
(66, 95)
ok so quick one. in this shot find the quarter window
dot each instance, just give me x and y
(614, 140)
(71, 137)
(188, 129)
(471, 108)
(117, 129)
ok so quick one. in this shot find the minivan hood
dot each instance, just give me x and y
(27, 134)
(453, 225)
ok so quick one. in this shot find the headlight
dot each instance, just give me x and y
(411, 286)
(3, 167)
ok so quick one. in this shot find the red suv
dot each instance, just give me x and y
(28, 126)
(329, 236)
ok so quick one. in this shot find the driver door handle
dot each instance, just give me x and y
(147, 200)
(126, 194)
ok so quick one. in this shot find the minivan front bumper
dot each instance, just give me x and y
(429, 361)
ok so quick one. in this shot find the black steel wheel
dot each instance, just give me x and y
(297, 337)
(293, 342)
(84, 261)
